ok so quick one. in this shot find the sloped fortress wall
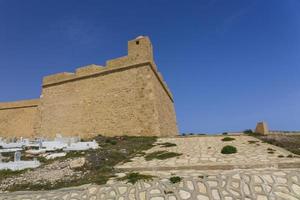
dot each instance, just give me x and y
(126, 97)
(19, 119)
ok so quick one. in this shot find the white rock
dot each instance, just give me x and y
(202, 197)
(296, 188)
(184, 194)
(77, 163)
(55, 155)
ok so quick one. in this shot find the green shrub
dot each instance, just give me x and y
(270, 149)
(135, 177)
(112, 142)
(161, 155)
(5, 173)
(42, 159)
(167, 144)
(175, 179)
(248, 131)
(252, 141)
(228, 150)
(225, 133)
(226, 139)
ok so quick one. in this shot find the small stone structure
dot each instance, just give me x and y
(126, 97)
(262, 128)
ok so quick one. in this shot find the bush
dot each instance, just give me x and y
(167, 144)
(225, 133)
(112, 142)
(228, 150)
(161, 155)
(175, 179)
(5, 173)
(248, 131)
(226, 139)
(252, 141)
(135, 177)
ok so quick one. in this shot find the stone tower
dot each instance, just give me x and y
(262, 128)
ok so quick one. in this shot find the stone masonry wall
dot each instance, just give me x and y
(114, 104)
(165, 108)
(19, 119)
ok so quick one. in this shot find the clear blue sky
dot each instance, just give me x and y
(229, 63)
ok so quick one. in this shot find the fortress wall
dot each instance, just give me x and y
(165, 108)
(19, 119)
(117, 103)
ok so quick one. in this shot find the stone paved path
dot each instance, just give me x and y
(205, 151)
(264, 184)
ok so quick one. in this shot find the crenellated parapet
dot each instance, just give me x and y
(69, 76)
(19, 104)
(140, 53)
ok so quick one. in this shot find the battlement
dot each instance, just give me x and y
(19, 104)
(139, 51)
(88, 70)
(69, 76)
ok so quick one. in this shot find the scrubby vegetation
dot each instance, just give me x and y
(167, 144)
(226, 139)
(135, 177)
(288, 142)
(175, 179)
(228, 149)
(248, 131)
(99, 165)
(5, 173)
(252, 141)
(161, 155)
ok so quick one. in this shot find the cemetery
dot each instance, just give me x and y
(48, 149)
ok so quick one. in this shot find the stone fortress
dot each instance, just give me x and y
(126, 97)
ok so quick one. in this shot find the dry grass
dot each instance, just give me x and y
(288, 142)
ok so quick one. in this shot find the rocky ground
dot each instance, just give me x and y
(51, 174)
(77, 168)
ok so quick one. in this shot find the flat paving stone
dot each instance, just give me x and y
(206, 151)
(161, 188)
